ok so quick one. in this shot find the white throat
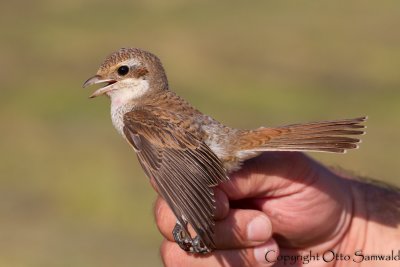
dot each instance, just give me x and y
(128, 90)
(123, 99)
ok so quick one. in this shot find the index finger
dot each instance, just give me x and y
(271, 174)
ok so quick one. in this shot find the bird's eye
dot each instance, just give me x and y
(123, 70)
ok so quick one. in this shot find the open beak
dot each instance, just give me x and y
(96, 80)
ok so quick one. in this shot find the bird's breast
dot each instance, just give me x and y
(117, 116)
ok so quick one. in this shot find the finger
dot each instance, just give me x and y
(173, 255)
(268, 175)
(242, 228)
(166, 220)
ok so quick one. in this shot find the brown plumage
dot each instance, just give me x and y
(186, 152)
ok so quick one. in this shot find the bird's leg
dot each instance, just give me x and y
(182, 236)
(185, 241)
(198, 246)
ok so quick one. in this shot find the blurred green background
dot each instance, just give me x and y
(71, 190)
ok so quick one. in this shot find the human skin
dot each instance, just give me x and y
(285, 203)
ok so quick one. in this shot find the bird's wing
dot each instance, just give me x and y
(183, 167)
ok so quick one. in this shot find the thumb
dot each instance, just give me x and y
(271, 174)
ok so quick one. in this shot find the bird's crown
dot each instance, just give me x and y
(138, 63)
(125, 54)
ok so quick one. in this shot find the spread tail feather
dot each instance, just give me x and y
(326, 136)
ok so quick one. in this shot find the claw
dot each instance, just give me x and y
(182, 237)
(185, 241)
(199, 246)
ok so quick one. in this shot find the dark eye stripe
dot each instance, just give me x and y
(123, 70)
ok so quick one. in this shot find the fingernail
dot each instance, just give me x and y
(267, 254)
(259, 229)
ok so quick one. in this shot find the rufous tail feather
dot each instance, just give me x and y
(326, 136)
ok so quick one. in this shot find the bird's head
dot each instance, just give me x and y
(129, 73)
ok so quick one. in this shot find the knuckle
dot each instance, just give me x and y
(159, 210)
(168, 254)
(222, 204)
(164, 252)
(164, 218)
(164, 248)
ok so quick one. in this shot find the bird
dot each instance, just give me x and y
(188, 153)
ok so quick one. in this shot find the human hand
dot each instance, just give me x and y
(278, 203)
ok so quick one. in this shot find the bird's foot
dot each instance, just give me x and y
(199, 247)
(186, 242)
(182, 237)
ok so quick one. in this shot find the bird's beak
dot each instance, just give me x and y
(98, 79)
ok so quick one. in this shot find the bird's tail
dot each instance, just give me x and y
(326, 136)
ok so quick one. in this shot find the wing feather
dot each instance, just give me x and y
(183, 166)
